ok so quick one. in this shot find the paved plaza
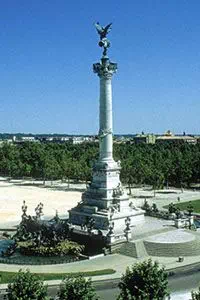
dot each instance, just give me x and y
(13, 193)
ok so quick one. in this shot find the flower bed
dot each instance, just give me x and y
(61, 249)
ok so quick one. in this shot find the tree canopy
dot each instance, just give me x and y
(195, 295)
(73, 288)
(144, 281)
(26, 286)
(175, 164)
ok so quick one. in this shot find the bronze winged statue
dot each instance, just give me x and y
(103, 31)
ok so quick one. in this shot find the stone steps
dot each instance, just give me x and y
(128, 249)
(140, 249)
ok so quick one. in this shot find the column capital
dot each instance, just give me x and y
(105, 69)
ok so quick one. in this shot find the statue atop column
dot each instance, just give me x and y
(103, 31)
(106, 68)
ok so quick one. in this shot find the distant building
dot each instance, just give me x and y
(80, 139)
(58, 139)
(144, 139)
(120, 139)
(48, 139)
(169, 137)
(53, 139)
(64, 138)
(27, 138)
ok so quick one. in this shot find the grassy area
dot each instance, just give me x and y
(7, 277)
(184, 205)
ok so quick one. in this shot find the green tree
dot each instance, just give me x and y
(86, 171)
(156, 179)
(10, 160)
(76, 288)
(126, 174)
(51, 168)
(171, 208)
(145, 281)
(167, 166)
(76, 170)
(26, 286)
(195, 295)
(182, 170)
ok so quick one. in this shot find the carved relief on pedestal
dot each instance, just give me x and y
(114, 208)
(118, 191)
(111, 228)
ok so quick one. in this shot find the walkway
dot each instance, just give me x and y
(163, 197)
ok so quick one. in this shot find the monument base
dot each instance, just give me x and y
(105, 203)
(102, 218)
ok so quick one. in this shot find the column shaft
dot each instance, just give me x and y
(105, 119)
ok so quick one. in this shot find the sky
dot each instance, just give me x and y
(47, 48)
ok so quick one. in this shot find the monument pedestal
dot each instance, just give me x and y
(105, 200)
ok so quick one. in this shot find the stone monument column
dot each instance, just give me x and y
(105, 202)
(105, 70)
